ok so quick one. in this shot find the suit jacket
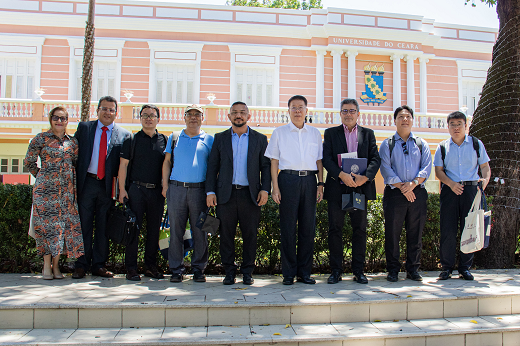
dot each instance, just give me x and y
(335, 143)
(219, 176)
(85, 135)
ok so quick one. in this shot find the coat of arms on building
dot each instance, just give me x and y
(374, 85)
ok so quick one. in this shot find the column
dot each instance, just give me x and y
(423, 82)
(320, 78)
(351, 55)
(410, 82)
(336, 77)
(396, 58)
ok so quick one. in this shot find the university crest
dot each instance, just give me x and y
(373, 85)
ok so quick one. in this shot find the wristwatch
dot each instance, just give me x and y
(416, 182)
(321, 183)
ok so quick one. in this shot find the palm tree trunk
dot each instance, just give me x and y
(497, 123)
(88, 61)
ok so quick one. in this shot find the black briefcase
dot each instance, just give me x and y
(122, 227)
(207, 222)
(352, 201)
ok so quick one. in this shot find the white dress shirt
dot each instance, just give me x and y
(296, 149)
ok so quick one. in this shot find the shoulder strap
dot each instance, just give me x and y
(132, 146)
(418, 142)
(391, 144)
(476, 146)
(443, 151)
(131, 161)
(175, 137)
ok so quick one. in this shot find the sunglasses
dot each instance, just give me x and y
(405, 149)
(61, 119)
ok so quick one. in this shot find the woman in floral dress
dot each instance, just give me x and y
(55, 208)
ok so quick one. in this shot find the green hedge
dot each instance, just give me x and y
(18, 253)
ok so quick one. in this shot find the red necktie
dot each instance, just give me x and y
(102, 154)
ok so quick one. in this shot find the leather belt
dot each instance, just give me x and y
(180, 183)
(299, 173)
(240, 187)
(147, 185)
(469, 182)
(94, 176)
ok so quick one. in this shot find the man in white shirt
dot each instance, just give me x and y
(296, 150)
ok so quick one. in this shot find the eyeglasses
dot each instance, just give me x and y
(59, 119)
(405, 149)
(297, 109)
(148, 116)
(108, 110)
(347, 111)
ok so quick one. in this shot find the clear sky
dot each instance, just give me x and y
(443, 11)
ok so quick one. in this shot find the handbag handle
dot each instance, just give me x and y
(476, 205)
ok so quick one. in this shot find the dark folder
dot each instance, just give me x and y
(356, 166)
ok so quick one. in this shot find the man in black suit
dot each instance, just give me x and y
(347, 138)
(239, 176)
(98, 163)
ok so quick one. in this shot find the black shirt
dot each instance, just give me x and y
(148, 157)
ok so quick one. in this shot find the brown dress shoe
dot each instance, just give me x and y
(79, 273)
(103, 272)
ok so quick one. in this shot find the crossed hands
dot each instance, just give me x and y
(352, 180)
(407, 190)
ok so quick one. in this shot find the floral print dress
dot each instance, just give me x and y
(55, 207)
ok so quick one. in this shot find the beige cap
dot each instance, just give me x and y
(197, 107)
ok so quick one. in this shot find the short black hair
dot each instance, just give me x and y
(108, 99)
(349, 102)
(403, 107)
(297, 97)
(239, 103)
(154, 107)
(456, 115)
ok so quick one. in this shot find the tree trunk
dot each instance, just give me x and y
(497, 123)
(88, 62)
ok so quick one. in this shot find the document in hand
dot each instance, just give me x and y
(354, 165)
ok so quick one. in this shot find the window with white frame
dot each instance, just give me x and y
(12, 165)
(103, 79)
(471, 92)
(254, 86)
(17, 78)
(174, 83)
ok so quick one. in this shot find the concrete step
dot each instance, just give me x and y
(460, 331)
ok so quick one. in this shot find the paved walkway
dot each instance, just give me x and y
(27, 290)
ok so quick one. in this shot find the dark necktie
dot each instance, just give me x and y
(102, 153)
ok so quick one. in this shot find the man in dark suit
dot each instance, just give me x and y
(98, 163)
(239, 176)
(348, 138)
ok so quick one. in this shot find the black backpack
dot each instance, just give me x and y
(476, 146)
(391, 144)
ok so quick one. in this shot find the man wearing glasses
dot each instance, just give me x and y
(296, 149)
(349, 137)
(140, 175)
(184, 188)
(405, 165)
(100, 143)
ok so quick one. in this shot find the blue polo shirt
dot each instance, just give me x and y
(461, 163)
(190, 157)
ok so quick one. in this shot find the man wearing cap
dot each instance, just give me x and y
(239, 174)
(140, 174)
(296, 149)
(184, 188)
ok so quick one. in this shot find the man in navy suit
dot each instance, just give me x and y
(349, 137)
(239, 178)
(100, 143)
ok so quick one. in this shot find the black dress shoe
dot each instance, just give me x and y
(229, 279)
(198, 276)
(393, 276)
(103, 272)
(154, 273)
(132, 275)
(79, 273)
(415, 276)
(248, 279)
(445, 275)
(334, 278)
(306, 280)
(288, 280)
(176, 278)
(466, 275)
(360, 278)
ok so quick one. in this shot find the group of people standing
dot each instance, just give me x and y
(235, 171)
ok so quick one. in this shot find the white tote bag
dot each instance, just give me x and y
(31, 224)
(472, 238)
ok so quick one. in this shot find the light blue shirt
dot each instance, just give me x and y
(190, 157)
(460, 163)
(401, 168)
(240, 146)
(93, 167)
